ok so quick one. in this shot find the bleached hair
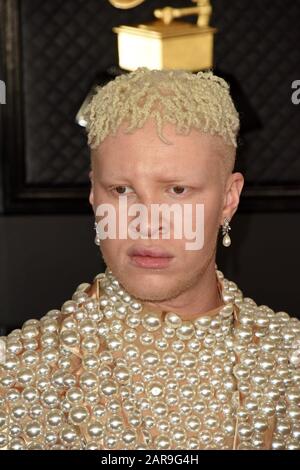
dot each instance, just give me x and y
(188, 100)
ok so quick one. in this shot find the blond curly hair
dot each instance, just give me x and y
(188, 100)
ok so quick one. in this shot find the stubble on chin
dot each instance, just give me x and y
(163, 293)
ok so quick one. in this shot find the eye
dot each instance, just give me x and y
(179, 189)
(122, 192)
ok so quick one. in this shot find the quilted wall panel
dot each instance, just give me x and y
(68, 44)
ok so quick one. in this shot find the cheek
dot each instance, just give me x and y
(99, 195)
(212, 214)
(113, 251)
(212, 219)
(102, 197)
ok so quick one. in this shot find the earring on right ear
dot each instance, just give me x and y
(97, 238)
(225, 229)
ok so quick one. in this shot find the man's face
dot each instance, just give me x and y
(143, 169)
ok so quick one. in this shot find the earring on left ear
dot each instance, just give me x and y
(225, 229)
(97, 238)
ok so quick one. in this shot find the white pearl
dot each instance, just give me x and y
(226, 240)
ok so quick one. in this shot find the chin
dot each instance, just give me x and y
(148, 296)
(143, 284)
(152, 291)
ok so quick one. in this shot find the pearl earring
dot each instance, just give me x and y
(97, 238)
(225, 229)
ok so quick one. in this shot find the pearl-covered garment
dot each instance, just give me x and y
(109, 372)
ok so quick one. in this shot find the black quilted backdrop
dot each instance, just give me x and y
(259, 42)
(67, 44)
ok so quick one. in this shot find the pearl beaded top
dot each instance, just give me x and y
(107, 372)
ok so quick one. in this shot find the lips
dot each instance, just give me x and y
(153, 252)
(150, 257)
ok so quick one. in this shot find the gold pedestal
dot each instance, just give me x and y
(158, 46)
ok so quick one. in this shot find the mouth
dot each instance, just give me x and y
(151, 258)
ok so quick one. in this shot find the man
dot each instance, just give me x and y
(161, 351)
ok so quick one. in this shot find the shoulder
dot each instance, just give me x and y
(38, 335)
(38, 341)
(264, 319)
(260, 324)
(267, 345)
(38, 361)
(271, 331)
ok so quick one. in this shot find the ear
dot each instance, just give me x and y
(233, 191)
(91, 196)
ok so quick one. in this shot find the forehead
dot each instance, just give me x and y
(143, 150)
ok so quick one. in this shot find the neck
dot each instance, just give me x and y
(204, 297)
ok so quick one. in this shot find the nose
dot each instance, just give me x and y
(151, 222)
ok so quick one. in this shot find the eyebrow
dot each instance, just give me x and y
(163, 179)
(170, 179)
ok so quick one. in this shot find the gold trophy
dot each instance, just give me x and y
(167, 42)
